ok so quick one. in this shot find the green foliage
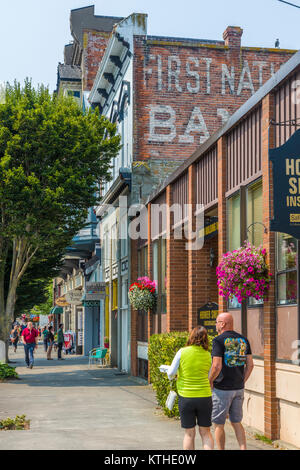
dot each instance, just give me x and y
(162, 350)
(7, 372)
(44, 307)
(18, 423)
(261, 437)
(52, 159)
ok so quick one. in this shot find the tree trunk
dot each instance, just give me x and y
(4, 325)
(22, 254)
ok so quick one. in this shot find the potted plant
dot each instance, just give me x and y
(142, 294)
(243, 273)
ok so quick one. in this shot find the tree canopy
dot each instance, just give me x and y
(52, 159)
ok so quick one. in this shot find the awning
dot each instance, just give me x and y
(56, 311)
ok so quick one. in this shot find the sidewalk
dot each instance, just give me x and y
(72, 407)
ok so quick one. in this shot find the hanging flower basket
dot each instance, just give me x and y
(243, 273)
(142, 294)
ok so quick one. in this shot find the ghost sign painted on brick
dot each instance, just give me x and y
(286, 186)
(197, 76)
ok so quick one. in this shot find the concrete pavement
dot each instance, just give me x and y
(71, 407)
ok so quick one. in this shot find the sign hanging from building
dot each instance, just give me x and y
(207, 317)
(93, 287)
(286, 186)
(61, 301)
(210, 228)
(74, 297)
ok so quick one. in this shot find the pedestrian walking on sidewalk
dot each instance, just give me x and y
(60, 341)
(50, 343)
(45, 338)
(195, 396)
(231, 367)
(14, 337)
(30, 341)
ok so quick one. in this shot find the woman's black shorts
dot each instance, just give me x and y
(194, 410)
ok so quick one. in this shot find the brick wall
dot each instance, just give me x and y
(185, 90)
(94, 46)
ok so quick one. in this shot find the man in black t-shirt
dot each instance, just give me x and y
(231, 367)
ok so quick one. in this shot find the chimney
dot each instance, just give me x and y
(232, 36)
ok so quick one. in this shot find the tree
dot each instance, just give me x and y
(43, 308)
(52, 158)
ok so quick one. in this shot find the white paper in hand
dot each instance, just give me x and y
(164, 368)
(171, 400)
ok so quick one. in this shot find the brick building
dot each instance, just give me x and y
(167, 96)
(229, 174)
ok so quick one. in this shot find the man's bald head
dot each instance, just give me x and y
(224, 322)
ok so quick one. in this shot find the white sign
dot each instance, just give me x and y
(74, 297)
(95, 287)
(80, 338)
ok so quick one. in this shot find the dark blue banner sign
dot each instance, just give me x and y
(286, 186)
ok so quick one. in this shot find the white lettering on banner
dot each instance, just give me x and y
(179, 72)
(174, 73)
(196, 124)
(168, 123)
(243, 82)
(194, 74)
(224, 114)
(208, 62)
(226, 75)
(260, 66)
(149, 71)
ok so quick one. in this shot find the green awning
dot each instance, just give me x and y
(56, 311)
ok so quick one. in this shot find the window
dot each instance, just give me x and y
(255, 214)
(234, 222)
(255, 228)
(159, 273)
(163, 276)
(143, 261)
(286, 257)
(234, 232)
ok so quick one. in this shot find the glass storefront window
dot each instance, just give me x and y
(286, 260)
(234, 222)
(286, 252)
(234, 232)
(287, 288)
(255, 214)
(163, 275)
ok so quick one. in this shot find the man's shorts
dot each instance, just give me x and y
(227, 402)
(195, 409)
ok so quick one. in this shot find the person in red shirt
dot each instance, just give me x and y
(30, 340)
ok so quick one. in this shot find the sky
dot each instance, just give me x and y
(33, 32)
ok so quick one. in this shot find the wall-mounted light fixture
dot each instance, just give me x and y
(254, 223)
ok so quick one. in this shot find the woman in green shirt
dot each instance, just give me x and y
(192, 364)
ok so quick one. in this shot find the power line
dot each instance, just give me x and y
(288, 3)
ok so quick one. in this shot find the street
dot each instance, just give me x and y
(73, 408)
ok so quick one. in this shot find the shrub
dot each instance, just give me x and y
(7, 372)
(162, 350)
(18, 423)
